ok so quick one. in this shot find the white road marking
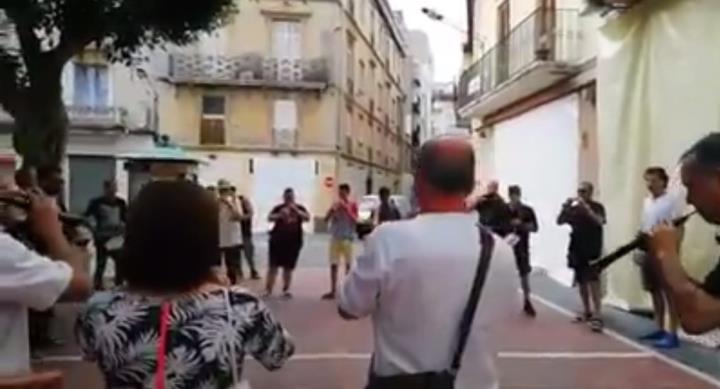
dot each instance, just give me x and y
(366, 356)
(638, 346)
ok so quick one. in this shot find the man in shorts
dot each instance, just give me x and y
(586, 218)
(342, 218)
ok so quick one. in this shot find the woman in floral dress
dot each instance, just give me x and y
(176, 326)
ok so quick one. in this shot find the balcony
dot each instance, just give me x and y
(88, 117)
(539, 52)
(285, 139)
(97, 117)
(250, 70)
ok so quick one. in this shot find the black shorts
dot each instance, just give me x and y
(584, 273)
(522, 261)
(284, 253)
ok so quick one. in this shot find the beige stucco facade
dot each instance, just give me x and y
(345, 87)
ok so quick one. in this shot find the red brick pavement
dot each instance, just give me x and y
(548, 352)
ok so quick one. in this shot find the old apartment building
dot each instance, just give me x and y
(302, 94)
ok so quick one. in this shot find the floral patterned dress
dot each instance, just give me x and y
(120, 331)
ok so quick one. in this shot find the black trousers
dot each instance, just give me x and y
(232, 256)
(248, 249)
(102, 255)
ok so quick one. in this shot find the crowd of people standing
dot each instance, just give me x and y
(181, 261)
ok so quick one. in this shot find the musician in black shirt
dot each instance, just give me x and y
(697, 304)
(586, 218)
(522, 223)
(493, 211)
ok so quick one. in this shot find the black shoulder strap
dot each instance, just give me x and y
(487, 244)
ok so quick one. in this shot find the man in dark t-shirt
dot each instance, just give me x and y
(522, 223)
(387, 211)
(586, 218)
(108, 214)
(286, 241)
(493, 211)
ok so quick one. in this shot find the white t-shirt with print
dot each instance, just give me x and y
(27, 280)
(414, 279)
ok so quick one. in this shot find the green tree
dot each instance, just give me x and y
(48, 33)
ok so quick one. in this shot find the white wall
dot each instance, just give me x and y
(539, 151)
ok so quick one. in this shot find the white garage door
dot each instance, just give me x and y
(539, 151)
(274, 174)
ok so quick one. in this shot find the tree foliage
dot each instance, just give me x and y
(51, 32)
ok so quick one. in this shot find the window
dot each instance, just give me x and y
(361, 83)
(351, 7)
(286, 39)
(91, 86)
(285, 123)
(350, 58)
(285, 115)
(213, 106)
(372, 25)
(212, 122)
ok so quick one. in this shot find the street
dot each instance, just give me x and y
(547, 352)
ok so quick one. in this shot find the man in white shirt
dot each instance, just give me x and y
(659, 207)
(415, 277)
(30, 280)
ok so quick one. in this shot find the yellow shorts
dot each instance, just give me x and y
(341, 249)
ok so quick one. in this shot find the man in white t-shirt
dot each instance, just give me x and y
(30, 280)
(231, 238)
(659, 207)
(415, 277)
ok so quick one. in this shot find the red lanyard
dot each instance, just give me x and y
(162, 340)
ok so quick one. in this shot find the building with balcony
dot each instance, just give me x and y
(528, 90)
(111, 128)
(302, 94)
(422, 70)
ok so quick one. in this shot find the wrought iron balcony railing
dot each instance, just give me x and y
(88, 117)
(547, 35)
(249, 70)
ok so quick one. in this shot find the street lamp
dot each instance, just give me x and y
(434, 15)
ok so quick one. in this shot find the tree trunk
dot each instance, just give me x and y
(40, 135)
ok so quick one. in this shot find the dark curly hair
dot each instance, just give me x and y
(171, 239)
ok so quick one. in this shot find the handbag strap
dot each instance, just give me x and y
(487, 244)
(161, 344)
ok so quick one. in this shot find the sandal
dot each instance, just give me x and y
(582, 318)
(596, 324)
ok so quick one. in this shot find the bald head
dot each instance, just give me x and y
(447, 165)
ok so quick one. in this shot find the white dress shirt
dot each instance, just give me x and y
(414, 279)
(27, 280)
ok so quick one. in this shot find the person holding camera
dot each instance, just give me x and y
(108, 213)
(586, 218)
(31, 280)
(697, 303)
